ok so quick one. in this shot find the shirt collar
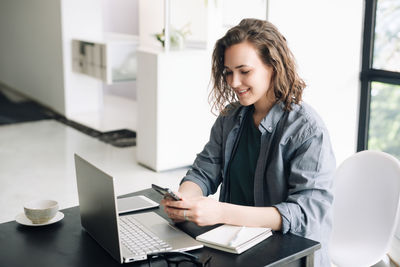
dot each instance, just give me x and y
(269, 122)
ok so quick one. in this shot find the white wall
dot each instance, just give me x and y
(31, 58)
(121, 16)
(325, 37)
(80, 20)
(151, 21)
(35, 51)
(192, 12)
(236, 10)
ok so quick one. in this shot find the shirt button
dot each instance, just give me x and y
(270, 128)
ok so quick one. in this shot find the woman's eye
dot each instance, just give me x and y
(245, 72)
(228, 73)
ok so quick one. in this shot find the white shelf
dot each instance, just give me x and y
(111, 59)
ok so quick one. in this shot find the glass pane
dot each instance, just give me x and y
(387, 36)
(384, 126)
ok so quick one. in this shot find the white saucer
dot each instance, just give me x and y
(21, 219)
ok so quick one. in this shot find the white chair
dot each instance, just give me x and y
(365, 211)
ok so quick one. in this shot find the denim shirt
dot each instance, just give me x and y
(294, 171)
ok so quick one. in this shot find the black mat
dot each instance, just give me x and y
(12, 112)
(118, 138)
(16, 112)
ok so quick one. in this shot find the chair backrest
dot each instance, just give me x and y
(365, 210)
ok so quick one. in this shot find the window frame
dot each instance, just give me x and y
(369, 74)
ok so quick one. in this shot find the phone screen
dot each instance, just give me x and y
(166, 192)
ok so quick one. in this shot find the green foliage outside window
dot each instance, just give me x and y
(384, 126)
(384, 121)
(387, 36)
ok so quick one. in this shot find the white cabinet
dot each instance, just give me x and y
(174, 117)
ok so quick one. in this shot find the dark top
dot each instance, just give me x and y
(244, 162)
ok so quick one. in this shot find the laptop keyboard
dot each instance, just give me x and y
(138, 240)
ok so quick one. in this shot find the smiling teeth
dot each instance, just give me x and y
(242, 91)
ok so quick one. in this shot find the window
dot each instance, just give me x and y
(379, 123)
(386, 53)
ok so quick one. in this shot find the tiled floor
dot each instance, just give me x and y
(36, 162)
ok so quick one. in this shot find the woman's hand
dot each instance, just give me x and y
(208, 211)
(166, 202)
(198, 209)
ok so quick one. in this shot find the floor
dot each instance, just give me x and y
(112, 116)
(36, 162)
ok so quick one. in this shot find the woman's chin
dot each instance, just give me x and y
(245, 103)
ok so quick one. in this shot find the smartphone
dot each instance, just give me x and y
(166, 192)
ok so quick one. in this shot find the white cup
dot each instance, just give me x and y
(41, 211)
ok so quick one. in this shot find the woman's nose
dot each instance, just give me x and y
(235, 81)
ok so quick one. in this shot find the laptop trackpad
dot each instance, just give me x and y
(157, 224)
(163, 229)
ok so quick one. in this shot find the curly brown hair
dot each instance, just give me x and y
(272, 48)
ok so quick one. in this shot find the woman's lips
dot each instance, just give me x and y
(242, 91)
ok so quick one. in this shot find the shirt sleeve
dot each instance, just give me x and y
(206, 169)
(310, 184)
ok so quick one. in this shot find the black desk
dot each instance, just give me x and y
(66, 244)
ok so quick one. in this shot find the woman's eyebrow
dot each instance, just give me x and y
(237, 67)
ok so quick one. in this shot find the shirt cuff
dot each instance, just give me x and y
(286, 216)
(202, 186)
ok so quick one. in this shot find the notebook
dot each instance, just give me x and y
(115, 233)
(234, 239)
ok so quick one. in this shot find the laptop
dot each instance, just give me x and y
(114, 232)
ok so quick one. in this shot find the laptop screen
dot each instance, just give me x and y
(97, 205)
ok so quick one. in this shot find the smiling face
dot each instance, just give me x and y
(248, 76)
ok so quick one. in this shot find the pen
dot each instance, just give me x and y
(236, 237)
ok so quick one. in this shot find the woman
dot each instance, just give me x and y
(270, 152)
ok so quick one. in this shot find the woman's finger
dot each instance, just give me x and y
(181, 215)
(176, 214)
(182, 204)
